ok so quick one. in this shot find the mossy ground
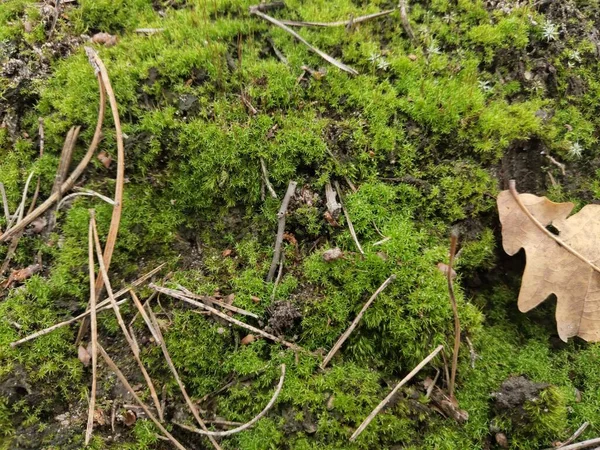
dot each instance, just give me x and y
(429, 132)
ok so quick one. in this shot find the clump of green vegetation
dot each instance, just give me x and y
(427, 133)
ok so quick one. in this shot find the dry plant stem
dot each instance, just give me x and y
(453, 242)
(347, 216)
(560, 165)
(513, 190)
(247, 424)
(102, 306)
(255, 10)
(86, 194)
(175, 294)
(278, 279)
(472, 353)
(24, 198)
(123, 380)
(157, 337)
(94, 337)
(4, 202)
(265, 173)
(354, 323)
(432, 386)
(231, 308)
(149, 30)
(223, 423)
(341, 23)
(154, 294)
(155, 329)
(583, 444)
(404, 18)
(115, 220)
(281, 229)
(575, 435)
(115, 307)
(69, 182)
(385, 401)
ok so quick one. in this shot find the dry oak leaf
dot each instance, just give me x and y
(565, 265)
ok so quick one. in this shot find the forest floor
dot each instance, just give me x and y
(419, 117)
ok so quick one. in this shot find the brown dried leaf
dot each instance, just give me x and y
(84, 356)
(565, 264)
(248, 339)
(129, 418)
(108, 40)
(227, 252)
(99, 417)
(332, 254)
(105, 159)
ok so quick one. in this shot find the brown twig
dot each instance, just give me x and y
(281, 229)
(583, 444)
(87, 193)
(149, 30)
(575, 435)
(175, 294)
(102, 306)
(223, 305)
(265, 173)
(115, 220)
(94, 337)
(472, 353)
(157, 337)
(385, 401)
(5, 203)
(279, 274)
(123, 380)
(558, 164)
(404, 18)
(120, 320)
(341, 23)
(354, 323)
(257, 12)
(69, 182)
(432, 385)
(453, 242)
(155, 330)
(247, 424)
(66, 156)
(347, 216)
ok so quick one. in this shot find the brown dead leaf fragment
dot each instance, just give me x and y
(84, 355)
(105, 159)
(565, 264)
(108, 40)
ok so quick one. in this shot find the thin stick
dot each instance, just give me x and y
(385, 401)
(354, 323)
(575, 435)
(135, 316)
(513, 190)
(115, 307)
(341, 23)
(453, 242)
(278, 279)
(69, 182)
(102, 306)
(223, 305)
(149, 30)
(24, 198)
(347, 216)
(560, 165)
(5, 202)
(583, 444)
(247, 424)
(265, 173)
(61, 172)
(123, 380)
(255, 10)
(90, 423)
(115, 220)
(404, 19)
(472, 353)
(281, 229)
(432, 385)
(157, 337)
(155, 330)
(36, 193)
(86, 194)
(176, 294)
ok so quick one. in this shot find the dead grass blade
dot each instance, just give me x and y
(281, 229)
(123, 380)
(247, 424)
(128, 338)
(341, 23)
(347, 216)
(223, 305)
(94, 338)
(256, 11)
(5, 202)
(155, 330)
(102, 306)
(385, 401)
(87, 193)
(69, 182)
(453, 242)
(176, 294)
(354, 323)
(115, 220)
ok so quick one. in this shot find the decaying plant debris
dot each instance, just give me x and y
(265, 169)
